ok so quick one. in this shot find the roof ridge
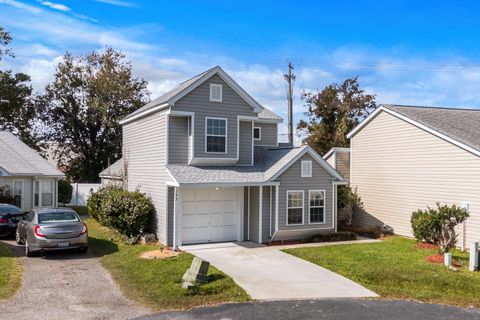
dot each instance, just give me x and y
(431, 107)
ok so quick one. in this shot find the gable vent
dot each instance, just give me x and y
(215, 92)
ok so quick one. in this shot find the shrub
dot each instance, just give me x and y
(6, 195)
(64, 191)
(374, 232)
(438, 225)
(333, 237)
(347, 201)
(126, 212)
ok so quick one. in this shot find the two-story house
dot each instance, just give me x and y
(208, 155)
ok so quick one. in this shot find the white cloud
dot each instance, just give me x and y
(55, 6)
(119, 3)
(21, 6)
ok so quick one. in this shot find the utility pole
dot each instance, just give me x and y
(290, 77)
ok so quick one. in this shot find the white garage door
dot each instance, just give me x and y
(209, 215)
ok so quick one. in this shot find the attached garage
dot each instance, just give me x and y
(211, 215)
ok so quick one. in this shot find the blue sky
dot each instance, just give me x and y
(406, 52)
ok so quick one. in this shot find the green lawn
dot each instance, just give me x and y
(157, 283)
(10, 273)
(396, 269)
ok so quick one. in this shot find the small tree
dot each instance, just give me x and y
(6, 195)
(64, 191)
(347, 200)
(437, 225)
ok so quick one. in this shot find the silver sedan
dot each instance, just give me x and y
(49, 229)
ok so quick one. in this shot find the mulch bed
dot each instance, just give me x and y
(283, 242)
(429, 246)
(162, 253)
(435, 258)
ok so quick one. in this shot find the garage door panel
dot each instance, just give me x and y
(211, 216)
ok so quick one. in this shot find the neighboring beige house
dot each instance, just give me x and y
(113, 174)
(31, 178)
(407, 158)
(208, 156)
(339, 158)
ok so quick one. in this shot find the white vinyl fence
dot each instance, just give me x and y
(81, 192)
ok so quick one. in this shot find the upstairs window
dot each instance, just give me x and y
(215, 92)
(306, 169)
(257, 133)
(216, 135)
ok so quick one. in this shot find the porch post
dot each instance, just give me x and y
(175, 222)
(276, 208)
(260, 213)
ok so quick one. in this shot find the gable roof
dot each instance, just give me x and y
(336, 150)
(114, 171)
(269, 164)
(18, 159)
(457, 126)
(169, 98)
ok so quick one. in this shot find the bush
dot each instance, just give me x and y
(126, 212)
(333, 237)
(64, 192)
(374, 232)
(6, 195)
(438, 225)
(347, 201)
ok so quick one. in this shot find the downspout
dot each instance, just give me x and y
(270, 233)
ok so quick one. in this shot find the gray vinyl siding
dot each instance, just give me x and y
(398, 168)
(170, 205)
(266, 213)
(245, 155)
(343, 164)
(27, 197)
(291, 180)
(198, 101)
(269, 134)
(178, 140)
(144, 153)
(254, 210)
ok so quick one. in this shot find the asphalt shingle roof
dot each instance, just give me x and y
(268, 161)
(19, 159)
(461, 125)
(114, 170)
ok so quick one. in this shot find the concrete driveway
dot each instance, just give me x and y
(66, 285)
(266, 273)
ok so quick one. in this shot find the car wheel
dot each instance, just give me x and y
(18, 239)
(28, 253)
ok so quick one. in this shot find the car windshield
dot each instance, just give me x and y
(52, 217)
(9, 209)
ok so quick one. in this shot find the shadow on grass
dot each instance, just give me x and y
(215, 277)
(102, 247)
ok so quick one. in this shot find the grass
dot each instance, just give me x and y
(396, 269)
(157, 284)
(10, 273)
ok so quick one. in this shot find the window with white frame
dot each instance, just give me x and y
(294, 207)
(18, 192)
(47, 193)
(257, 133)
(316, 207)
(306, 169)
(216, 135)
(216, 92)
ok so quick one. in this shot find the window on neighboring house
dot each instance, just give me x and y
(18, 192)
(294, 207)
(47, 193)
(216, 92)
(257, 133)
(216, 135)
(316, 206)
(306, 169)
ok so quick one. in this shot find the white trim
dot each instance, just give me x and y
(252, 161)
(270, 229)
(334, 206)
(215, 135)
(324, 206)
(305, 174)
(316, 157)
(172, 177)
(22, 198)
(259, 133)
(271, 121)
(276, 208)
(217, 85)
(335, 150)
(303, 207)
(191, 129)
(167, 136)
(143, 114)
(415, 123)
(175, 219)
(248, 212)
(227, 185)
(260, 213)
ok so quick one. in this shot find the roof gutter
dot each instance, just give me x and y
(144, 113)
